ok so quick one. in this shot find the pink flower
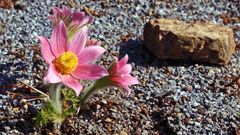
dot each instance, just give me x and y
(93, 41)
(119, 74)
(75, 19)
(70, 62)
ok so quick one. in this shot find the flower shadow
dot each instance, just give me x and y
(8, 76)
(20, 120)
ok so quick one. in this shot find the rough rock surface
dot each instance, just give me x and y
(6, 4)
(173, 39)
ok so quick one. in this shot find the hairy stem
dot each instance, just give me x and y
(55, 96)
(88, 91)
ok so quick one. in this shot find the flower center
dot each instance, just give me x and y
(66, 63)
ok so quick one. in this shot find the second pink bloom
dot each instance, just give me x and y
(119, 74)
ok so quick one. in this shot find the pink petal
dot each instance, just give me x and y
(73, 84)
(59, 38)
(89, 72)
(127, 89)
(124, 70)
(79, 40)
(89, 54)
(123, 61)
(55, 18)
(52, 75)
(57, 12)
(66, 11)
(46, 50)
(86, 20)
(80, 19)
(124, 80)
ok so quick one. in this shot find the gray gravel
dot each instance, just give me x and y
(174, 97)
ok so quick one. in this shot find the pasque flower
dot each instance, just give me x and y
(70, 19)
(119, 74)
(71, 61)
(74, 21)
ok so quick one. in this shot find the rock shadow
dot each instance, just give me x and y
(141, 56)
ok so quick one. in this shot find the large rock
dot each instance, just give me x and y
(173, 39)
(6, 4)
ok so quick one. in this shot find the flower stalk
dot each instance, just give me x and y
(93, 88)
(55, 97)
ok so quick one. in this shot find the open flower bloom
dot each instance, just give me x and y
(73, 19)
(119, 74)
(70, 62)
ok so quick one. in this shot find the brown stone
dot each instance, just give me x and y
(173, 39)
(6, 4)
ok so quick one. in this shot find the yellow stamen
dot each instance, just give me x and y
(66, 63)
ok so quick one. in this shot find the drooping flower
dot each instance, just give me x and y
(71, 61)
(73, 20)
(119, 74)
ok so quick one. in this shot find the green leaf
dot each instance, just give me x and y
(70, 97)
(49, 113)
(55, 109)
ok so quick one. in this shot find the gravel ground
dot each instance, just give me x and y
(174, 97)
